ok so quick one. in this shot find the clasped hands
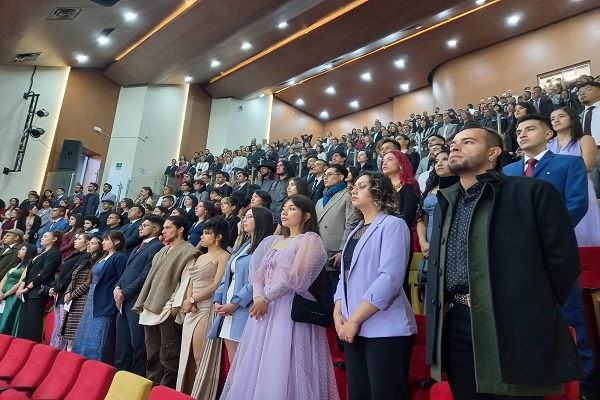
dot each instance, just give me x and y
(346, 328)
(225, 309)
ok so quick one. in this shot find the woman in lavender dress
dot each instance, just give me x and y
(571, 141)
(278, 358)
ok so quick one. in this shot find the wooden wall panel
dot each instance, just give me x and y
(516, 63)
(287, 122)
(90, 100)
(195, 124)
(414, 102)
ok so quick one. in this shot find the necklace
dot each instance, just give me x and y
(397, 186)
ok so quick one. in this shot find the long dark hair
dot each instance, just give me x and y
(435, 180)
(58, 235)
(116, 235)
(218, 226)
(209, 207)
(301, 185)
(370, 164)
(288, 168)
(265, 197)
(575, 127)
(306, 206)
(263, 226)
(29, 254)
(79, 221)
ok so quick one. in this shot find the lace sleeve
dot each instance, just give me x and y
(309, 257)
(257, 270)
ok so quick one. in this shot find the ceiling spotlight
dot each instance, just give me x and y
(479, 2)
(299, 102)
(188, 79)
(328, 65)
(292, 82)
(81, 58)
(246, 46)
(103, 40)
(418, 27)
(42, 113)
(399, 63)
(130, 16)
(405, 87)
(366, 76)
(452, 43)
(282, 25)
(215, 63)
(330, 90)
(513, 19)
(262, 95)
(324, 114)
(354, 104)
(36, 132)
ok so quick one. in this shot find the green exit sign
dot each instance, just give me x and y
(119, 165)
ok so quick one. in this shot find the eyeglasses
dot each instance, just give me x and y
(330, 174)
(247, 217)
(144, 226)
(585, 90)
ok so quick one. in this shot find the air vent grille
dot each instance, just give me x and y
(65, 13)
(26, 57)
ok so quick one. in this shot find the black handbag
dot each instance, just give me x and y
(312, 312)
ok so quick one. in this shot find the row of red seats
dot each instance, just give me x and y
(39, 372)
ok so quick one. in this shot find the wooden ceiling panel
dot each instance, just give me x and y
(24, 28)
(423, 54)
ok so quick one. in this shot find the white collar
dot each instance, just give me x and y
(538, 157)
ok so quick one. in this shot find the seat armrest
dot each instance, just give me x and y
(424, 383)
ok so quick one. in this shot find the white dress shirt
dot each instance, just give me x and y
(595, 121)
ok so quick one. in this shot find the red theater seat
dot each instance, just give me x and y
(58, 381)
(5, 341)
(165, 393)
(48, 327)
(15, 358)
(35, 369)
(93, 381)
(590, 286)
(419, 376)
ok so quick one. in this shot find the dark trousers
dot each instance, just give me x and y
(130, 352)
(31, 318)
(377, 368)
(163, 344)
(457, 357)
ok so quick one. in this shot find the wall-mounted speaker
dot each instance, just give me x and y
(70, 155)
(106, 3)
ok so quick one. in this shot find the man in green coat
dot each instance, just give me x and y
(8, 255)
(503, 259)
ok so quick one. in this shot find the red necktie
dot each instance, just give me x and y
(587, 123)
(530, 166)
(53, 225)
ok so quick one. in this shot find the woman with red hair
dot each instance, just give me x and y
(397, 167)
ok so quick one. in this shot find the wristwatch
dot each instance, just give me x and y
(192, 300)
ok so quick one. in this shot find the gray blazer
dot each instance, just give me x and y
(336, 220)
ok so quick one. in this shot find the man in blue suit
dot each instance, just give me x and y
(131, 230)
(130, 351)
(57, 223)
(568, 174)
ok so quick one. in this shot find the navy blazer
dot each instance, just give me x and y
(132, 235)
(138, 266)
(104, 300)
(566, 173)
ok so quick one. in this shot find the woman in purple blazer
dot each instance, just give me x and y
(372, 313)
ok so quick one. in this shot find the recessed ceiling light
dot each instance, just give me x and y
(330, 90)
(513, 19)
(418, 27)
(130, 16)
(354, 104)
(262, 95)
(405, 87)
(452, 43)
(103, 40)
(399, 63)
(246, 46)
(299, 102)
(215, 63)
(366, 76)
(324, 114)
(328, 65)
(292, 82)
(188, 79)
(81, 58)
(479, 2)
(282, 25)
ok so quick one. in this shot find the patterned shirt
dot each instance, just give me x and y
(457, 274)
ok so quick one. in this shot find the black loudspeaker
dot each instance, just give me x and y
(106, 3)
(70, 155)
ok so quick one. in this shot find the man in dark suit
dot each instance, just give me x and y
(315, 189)
(244, 187)
(107, 207)
(92, 200)
(130, 230)
(257, 156)
(543, 104)
(60, 195)
(568, 174)
(502, 260)
(310, 161)
(8, 255)
(130, 351)
(334, 148)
